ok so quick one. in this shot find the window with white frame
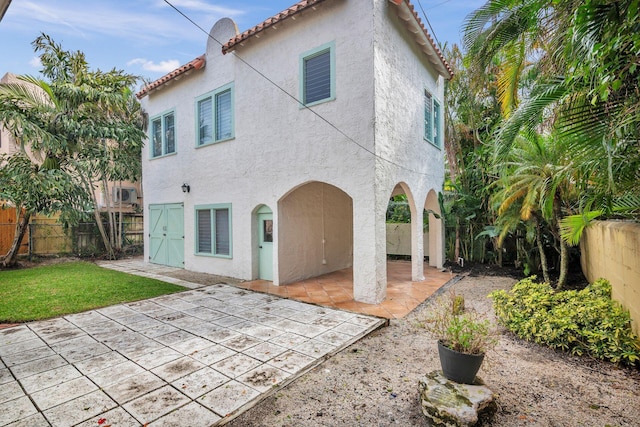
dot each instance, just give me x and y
(213, 230)
(214, 115)
(163, 134)
(432, 120)
(317, 71)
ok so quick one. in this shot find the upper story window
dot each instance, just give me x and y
(432, 120)
(317, 71)
(214, 115)
(163, 135)
(213, 230)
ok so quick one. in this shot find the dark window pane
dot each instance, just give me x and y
(156, 132)
(223, 115)
(205, 119)
(170, 134)
(204, 231)
(222, 232)
(317, 77)
(267, 226)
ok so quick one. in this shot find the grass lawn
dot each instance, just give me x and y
(54, 290)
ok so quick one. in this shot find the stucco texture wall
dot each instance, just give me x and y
(611, 249)
(399, 239)
(315, 231)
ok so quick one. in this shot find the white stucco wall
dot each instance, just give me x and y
(279, 146)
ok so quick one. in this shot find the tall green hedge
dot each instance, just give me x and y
(580, 322)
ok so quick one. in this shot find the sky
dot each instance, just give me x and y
(149, 38)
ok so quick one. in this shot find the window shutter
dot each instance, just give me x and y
(428, 117)
(204, 231)
(170, 133)
(222, 232)
(436, 124)
(317, 77)
(205, 119)
(223, 115)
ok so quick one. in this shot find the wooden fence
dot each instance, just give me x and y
(7, 231)
(46, 236)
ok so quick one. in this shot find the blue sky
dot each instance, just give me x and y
(149, 38)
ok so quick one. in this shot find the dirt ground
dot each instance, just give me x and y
(375, 381)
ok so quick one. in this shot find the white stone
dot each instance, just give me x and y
(449, 404)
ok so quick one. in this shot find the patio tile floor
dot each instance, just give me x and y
(202, 355)
(336, 290)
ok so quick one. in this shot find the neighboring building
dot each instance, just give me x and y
(243, 180)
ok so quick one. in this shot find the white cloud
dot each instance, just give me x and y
(161, 67)
(203, 6)
(35, 62)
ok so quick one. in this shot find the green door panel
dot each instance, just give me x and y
(166, 234)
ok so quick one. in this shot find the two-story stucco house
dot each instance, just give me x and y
(275, 153)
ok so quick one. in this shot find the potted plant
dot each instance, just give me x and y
(463, 337)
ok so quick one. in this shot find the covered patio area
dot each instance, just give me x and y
(336, 290)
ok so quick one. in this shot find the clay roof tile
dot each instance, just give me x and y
(195, 64)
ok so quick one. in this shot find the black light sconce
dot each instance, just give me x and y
(186, 188)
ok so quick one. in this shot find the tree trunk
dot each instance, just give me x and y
(564, 264)
(456, 251)
(96, 214)
(9, 260)
(564, 249)
(543, 257)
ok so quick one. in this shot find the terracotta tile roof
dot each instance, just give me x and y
(199, 62)
(418, 21)
(195, 64)
(296, 8)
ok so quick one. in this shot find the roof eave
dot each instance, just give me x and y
(290, 12)
(195, 64)
(408, 14)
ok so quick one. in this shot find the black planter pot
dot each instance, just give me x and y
(459, 367)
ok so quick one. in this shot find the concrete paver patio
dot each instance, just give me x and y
(194, 358)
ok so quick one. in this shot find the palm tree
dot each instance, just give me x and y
(538, 178)
(586, 90)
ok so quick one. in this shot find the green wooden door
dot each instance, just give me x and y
(265, 243)
(175, 235)
(166, 234)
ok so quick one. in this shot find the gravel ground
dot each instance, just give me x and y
(375, 381)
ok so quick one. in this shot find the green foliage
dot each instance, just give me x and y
(458, 328)
(84, 127)
(37, 188)
(55, 290)
(580, 322)
(398, 210)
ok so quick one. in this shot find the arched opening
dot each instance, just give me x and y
(314, 232)
(435, 251)
(406, 231)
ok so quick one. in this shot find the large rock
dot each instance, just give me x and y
(447, 403)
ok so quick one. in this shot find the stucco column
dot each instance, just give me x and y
(417, 245)
(436, 241)
(369, 253)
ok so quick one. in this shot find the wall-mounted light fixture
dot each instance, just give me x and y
(186, 188)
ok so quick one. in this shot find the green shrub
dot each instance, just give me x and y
(580, 322)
